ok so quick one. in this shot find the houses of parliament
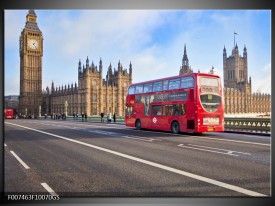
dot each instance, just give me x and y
(94, 94)
(238, 96)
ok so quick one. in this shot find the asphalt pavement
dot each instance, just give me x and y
(111, 160)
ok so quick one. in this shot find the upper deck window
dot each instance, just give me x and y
(139, 89)
(174, 84)
(157, 86)
(148, 88)
(165, 85)
(131, 90)
(187, 82)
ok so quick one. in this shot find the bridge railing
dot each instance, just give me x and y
(258, 124)
(119, 119)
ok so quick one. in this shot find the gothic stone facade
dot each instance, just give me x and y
(237, 101)
(93, 94)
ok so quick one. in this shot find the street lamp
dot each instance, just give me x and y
(39, 110)
(66, 107)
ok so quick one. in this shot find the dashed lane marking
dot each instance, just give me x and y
(20, 160)
(49, 189)
(212, 149)
(146, 139)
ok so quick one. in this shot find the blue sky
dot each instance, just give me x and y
(153, 40)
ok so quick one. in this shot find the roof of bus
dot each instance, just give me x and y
(181, 75)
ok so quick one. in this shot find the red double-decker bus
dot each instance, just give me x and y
(9, 114)
(190, 103)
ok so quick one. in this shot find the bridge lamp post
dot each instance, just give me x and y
(66, 108)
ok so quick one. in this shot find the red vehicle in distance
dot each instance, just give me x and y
(190, 103)
(9, 114)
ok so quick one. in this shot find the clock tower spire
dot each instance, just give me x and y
(30, 52)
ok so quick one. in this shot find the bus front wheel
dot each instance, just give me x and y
(138, 124)
(175, 127)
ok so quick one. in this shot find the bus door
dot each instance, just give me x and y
(146, 112)
(129, 116)
(158, 120)
(130, 111)
(146, 120)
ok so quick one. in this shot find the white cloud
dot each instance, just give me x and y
(262, 82)
(97, 31)
(148, 66)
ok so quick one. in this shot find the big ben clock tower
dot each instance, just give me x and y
(31, 52)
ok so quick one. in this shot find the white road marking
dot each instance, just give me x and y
(20, 160)
(5, 145)
(207, 150)
(167, 168)
(229, 140)
(228, 151)
(49, 189)
(104, 132)
(141, 138)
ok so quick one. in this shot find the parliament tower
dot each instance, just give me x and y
(235, 70)
(185, 68)
(31, 52)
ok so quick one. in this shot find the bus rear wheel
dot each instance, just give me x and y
(138, 124)
(175, 127)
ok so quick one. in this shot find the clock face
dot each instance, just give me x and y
(94, 82)
(125, 84)
(33, 43)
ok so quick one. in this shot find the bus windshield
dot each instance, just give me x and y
(210, 97)
(210, 102)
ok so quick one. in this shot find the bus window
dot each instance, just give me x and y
(157, 110)
(131, 90)
(148, 88)
(157, 86)
(139, 89)
(214, 82)
(174, 110)
(171, 110)
(174, 84)
(187, 82)
(182, 109)
(147, 105)
(165, 110)
(165, 84)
